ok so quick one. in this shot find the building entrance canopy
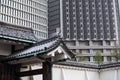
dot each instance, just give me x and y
(52, 50)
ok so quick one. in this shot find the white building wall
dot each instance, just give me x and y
(73, 73)
(110, 74)
(61, 72)
(37, 77)
(26, 77)
(34, 77)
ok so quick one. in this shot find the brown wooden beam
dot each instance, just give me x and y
(30, 73)
(16, 70)
(12, 49)
(47, 71)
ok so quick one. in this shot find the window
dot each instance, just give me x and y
(9, 19)
(108, 58)
(107, 42)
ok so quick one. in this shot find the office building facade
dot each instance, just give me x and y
(87, 26)
(26, 13)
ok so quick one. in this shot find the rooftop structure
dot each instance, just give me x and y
(26, 13)
(86, 65)
(45, 52)
(17, 33)
(51, 48)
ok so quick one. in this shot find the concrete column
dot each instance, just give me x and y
(77, 43)
(105, 59)
(112, 43)
(113, 59)
(91, 51)
(104, 43)
(91, 59)
(77, 51)
(90, 43)
(104, 51)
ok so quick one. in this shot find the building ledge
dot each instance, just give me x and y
(16, 33)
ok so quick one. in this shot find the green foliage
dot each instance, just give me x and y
(78, 57)
(82, 58)
(116, 53)
(98, 58)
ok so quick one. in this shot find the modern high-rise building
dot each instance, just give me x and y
(26, 13)
(87, 26)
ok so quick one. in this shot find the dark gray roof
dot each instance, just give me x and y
(115, 64)
(40, 48)
(17, 33)
(78, 64)
(85, 65)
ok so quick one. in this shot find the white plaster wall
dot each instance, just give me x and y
(74, 73)
(37, 77)
(107, 75)
(32, 67)
(110, 74)
(60, 72)
(5, 49)
(25, 78)
(67, 73)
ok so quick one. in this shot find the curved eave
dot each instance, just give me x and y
(32, 54)
(54, 48)
(17, 39)
(67, 50)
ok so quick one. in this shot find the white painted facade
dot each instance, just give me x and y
(61, 72)
(73, 73)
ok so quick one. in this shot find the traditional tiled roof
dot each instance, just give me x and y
(85, 65)
(16, 33)
(115, 64)
(45, 47)
(78, 64)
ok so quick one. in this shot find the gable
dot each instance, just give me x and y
(52, 49)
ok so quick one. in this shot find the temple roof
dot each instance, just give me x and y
(50, 48)
(16, 33)
(86, 65)
(78, 64)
